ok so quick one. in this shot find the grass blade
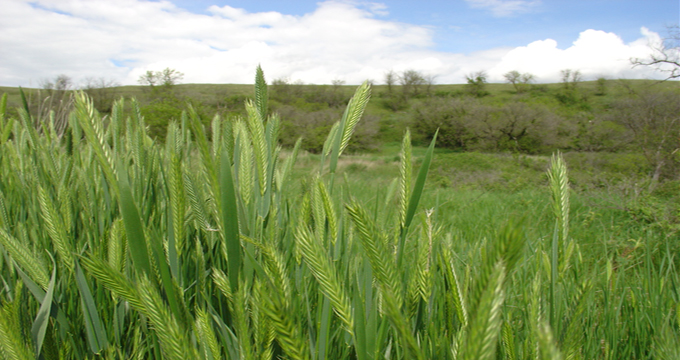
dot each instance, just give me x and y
(39, 327)
(23, 100)
(133, 224)
(230, 220)
(5, 127)
(96, 333)
(415, 198)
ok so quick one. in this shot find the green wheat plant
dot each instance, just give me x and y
(218, 244)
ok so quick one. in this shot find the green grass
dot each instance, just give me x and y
(117, 246)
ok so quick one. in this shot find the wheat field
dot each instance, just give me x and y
(115, 246)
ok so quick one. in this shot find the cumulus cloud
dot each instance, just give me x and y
(504, 8)
(595, 54)
(350, 41)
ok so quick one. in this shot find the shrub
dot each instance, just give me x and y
(450, 116)
(313, 127)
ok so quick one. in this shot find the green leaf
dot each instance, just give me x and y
(96, 333)
(133, 224)
(230, 220)
(41, 321)
(3, 107)
(415, 197)
(23, 100)
(5, 128)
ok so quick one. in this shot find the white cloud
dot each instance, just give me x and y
(595, 53)
(340, 40)
(504, 8)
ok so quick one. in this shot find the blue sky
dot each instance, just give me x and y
(460, 27)
(321, 41)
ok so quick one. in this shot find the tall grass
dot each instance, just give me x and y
(115, 246)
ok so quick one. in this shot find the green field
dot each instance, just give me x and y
(218, 243)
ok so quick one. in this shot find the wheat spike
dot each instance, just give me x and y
(329, 209)
(26, 259)
(90, 124)
(216, 127)
(199, 206)
(485, 326)
(559, 186)
(376, 250)
(174, 343)
(241, 323)
(206, 335)
(264, 333)
(276, 268)
(246, 177)
(354, 111)
(508, 341)
(222, 282)
(326, 275)
(261, 96)
(114, 281)
(117, 245)
(12, 346)
(318, 210)
(256, 128)
(55, 228)
(547, 346)
(287, 332)
(4, 215)
(405, 174)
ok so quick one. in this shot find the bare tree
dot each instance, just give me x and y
(519, 81)
(166, 77)
(337, 85)
(571, 78)
(99, 89)
(665, 56)
(411, 82)
(654, 120)
(390, 80)
(162, 83)
(429, 82)
(52, 103)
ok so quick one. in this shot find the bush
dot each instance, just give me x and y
(313, 127)
(158, 114)
(450, 116)
(468, 124)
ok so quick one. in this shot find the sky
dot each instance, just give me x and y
(222, 41)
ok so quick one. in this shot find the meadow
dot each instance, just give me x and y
(219, 243)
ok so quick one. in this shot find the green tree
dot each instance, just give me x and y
(476, 84)
(161, 82)
(165, 77)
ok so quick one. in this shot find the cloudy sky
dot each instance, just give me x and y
(222, 41)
